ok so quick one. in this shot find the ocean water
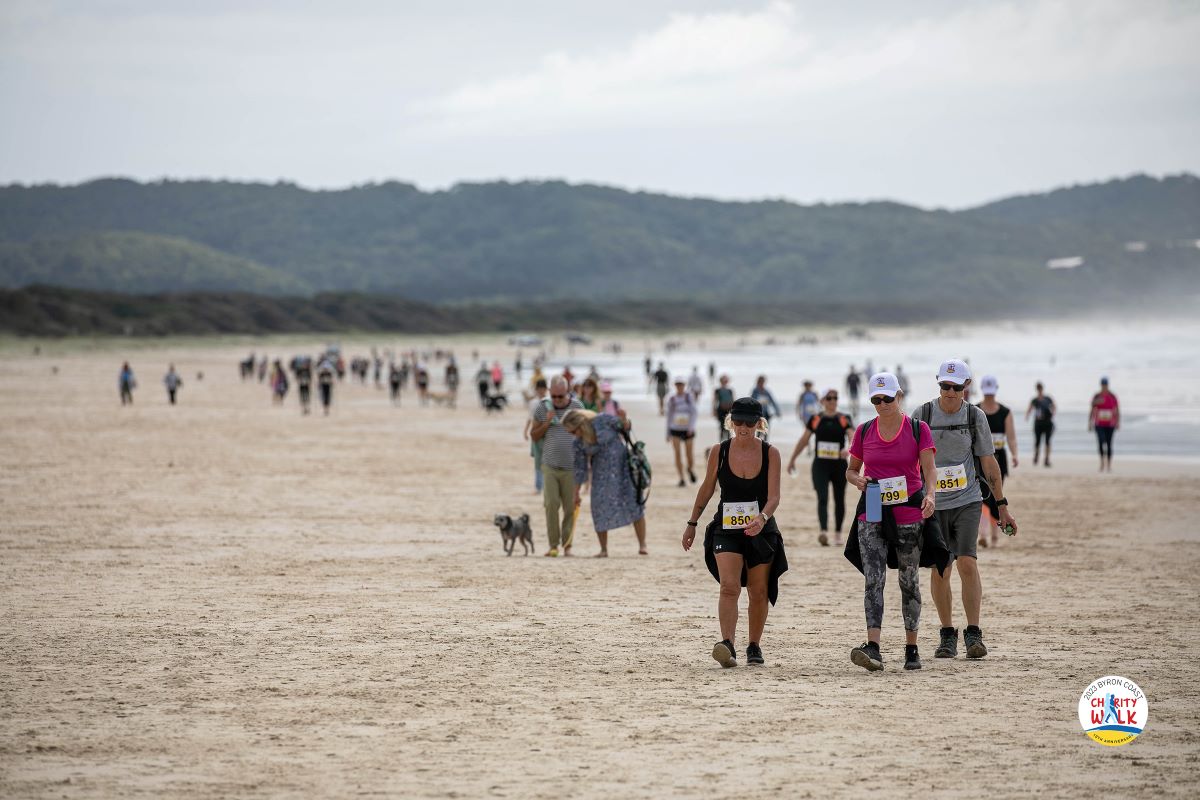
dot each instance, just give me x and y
(1153, 368)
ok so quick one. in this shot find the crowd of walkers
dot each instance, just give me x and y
(930, 473)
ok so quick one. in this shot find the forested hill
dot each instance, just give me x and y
(500, 242)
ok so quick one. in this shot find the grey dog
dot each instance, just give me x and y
(514, 530)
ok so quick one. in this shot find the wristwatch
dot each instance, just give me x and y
(1003, 501)
(691, 524)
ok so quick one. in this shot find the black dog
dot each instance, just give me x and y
(514, 530)
(494, 402)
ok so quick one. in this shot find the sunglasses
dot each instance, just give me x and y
(951, 387)
(879, 398)
(831, 397)
(743, 424)
(558, 396)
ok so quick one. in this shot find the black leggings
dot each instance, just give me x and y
(1041, 429)
(824, 472)
(1104, 440)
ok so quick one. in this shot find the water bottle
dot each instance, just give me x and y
(874, 502)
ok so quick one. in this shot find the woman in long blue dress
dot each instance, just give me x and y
(600, 450)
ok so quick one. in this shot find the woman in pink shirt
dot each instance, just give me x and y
(1104, 418)
(886, 451)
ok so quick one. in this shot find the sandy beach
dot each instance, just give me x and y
(226, 599)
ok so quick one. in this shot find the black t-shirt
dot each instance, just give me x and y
(1042, 408)
(661, 377)
(996, 421)
(831, 429)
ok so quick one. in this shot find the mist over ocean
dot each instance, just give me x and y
(1152, 368)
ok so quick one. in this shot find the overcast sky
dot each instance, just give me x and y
(934, 103)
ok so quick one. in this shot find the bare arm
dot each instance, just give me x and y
(703, 495)
(1010, 434)
(929, 476)
(800, 445)
(854, 474)
(773, 469)
(991, 471)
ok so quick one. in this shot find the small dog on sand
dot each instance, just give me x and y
(514, 530)
(495, 402)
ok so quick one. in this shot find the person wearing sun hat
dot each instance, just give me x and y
(742, 544)
(1004, 439)
(961, 435)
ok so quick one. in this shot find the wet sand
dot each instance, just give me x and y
(225, 599)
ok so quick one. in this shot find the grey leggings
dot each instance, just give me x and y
(873, 548)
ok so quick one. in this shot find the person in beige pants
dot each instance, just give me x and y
(558, 465)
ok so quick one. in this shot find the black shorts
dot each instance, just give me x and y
(755, 550)
(685, 435)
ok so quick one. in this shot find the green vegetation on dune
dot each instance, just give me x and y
(508, 243)
(128, 261)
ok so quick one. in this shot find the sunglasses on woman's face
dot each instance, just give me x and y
(951, 387)
(880, 398)
(743, 424)
(831, 397)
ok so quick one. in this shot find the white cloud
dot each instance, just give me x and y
(760, 65)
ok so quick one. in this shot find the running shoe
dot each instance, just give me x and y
(949, 645)
(912, 660)
(724, 653)
(754, 654)
(867, 656)
(973, 639)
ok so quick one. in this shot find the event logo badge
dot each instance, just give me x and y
(1113, 710)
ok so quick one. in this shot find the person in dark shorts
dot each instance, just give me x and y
(829, 463)
(1004, 439)
(660, 378)
(1043, 409)
(961, 436)
(681, 428)
(742, 545)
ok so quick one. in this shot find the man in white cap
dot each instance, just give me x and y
(961, 434)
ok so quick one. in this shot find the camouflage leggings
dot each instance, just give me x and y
(873, 548)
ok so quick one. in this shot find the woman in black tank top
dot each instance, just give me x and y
(742, 545)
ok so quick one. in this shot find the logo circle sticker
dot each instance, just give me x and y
(1113, 710)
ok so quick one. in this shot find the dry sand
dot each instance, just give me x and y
(224, 599)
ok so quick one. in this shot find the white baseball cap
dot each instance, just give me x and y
(680, 379)
(988, 384)
(954, 371)
(883, 383)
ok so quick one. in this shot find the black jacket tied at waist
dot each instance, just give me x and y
(934, 552)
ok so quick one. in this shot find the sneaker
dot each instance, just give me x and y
(866, 655)
(754, 654)
(949, 646)
(823, 539)
(724, 653)
(551, 553)
(911, 659)
(973, 639)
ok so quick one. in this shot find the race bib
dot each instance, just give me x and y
(829, 449)
(893, 491)
(680, 422)
(1104, 415)
(952, 478)
(735, 516)
(998, 441)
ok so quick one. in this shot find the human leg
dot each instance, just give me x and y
(820, 482)
(552, 499)
(908, 557)
(602, 536)
(675, 446)
(639, 528)
(729, 569)
(872, 549)
(756, 588)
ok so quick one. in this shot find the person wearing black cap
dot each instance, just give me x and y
(742, 545)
